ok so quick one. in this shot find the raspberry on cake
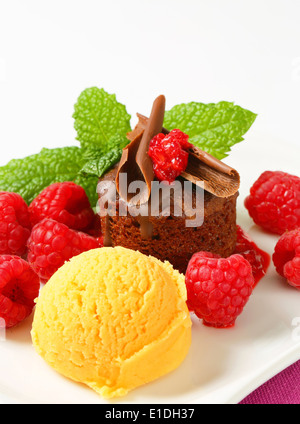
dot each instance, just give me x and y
(169, 154)
(64, 202)
(15, 224)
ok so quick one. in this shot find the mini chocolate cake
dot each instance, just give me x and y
(168, 237)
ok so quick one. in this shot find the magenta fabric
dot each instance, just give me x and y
(284, 388)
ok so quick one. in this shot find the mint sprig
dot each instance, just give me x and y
(98, 117)
(29, 176)
(99, 159)
(102, 123)
(213, 127)
(99, 165)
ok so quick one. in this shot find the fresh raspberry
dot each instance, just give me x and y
(169, 155)
(181, 137)
(19, 286)
(51, 243)
(14, 224)
(274, 201)
(286, 257)
(64, 202)
(218, 288)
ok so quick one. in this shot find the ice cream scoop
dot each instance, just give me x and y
(113, 319)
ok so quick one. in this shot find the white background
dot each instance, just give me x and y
(203, 50)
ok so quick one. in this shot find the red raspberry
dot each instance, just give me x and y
(274, 201)
(218, 288)
(286, 257)
(52, 243)
(64, 202)
(169, 155)
(19, 286)
(14, 224)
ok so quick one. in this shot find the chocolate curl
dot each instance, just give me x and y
(218, 178)
(135, 161)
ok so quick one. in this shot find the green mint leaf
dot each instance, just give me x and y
(99, 116)
(117, 141)
(100, 160)
(93, 151)
(99, 166)
(213, 127)
(29, 176)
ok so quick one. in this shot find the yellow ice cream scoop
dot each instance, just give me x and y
(114, 319)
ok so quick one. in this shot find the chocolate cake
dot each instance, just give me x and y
(168, 237)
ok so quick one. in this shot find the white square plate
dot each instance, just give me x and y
(223, 365)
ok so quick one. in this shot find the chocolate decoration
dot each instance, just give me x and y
(146, 228)
(105, 221)
(129, 166)
(135, 161)
(219, 178)
(141, 125)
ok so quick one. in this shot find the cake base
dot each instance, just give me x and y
(170, 239)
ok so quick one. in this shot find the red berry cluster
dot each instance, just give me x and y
(274, 205)
(219, 288)
(35, 241)
(19, 286)
(169, 154)
(15, 224)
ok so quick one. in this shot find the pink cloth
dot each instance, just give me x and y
(284, 388)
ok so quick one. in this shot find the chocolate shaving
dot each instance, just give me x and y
(203, 168)
(218, 178)
(141, 125)
(135, 161)
(128, 166)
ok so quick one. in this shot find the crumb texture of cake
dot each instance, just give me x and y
(168, 238)
(171, 240)
(113, 319)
